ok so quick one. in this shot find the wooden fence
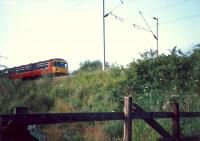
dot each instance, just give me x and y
(14, 127)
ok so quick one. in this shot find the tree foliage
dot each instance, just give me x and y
(90, 66)
(178, 70)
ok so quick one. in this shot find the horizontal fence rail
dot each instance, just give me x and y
(50, 118)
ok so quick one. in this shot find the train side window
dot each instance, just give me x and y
(34, 67)
(13, 71)
(40, 66)
(6, 71)
(27, 68)
(30, 67)
(22, 69)
(1, 72)
(17, 70)
(45, 66)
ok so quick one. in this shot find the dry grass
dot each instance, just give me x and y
(95, 133)
(62, 106)
(54, 133)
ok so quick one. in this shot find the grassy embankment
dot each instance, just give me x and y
(153, 82)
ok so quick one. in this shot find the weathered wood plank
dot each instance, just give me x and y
(150, 115)
(197, 138)
(151, 122)
(176, 121)
(42, 118)
(50, 118)
(127, 119)
(1, 128)
(189, 114)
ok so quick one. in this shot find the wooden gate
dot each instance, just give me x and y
(14, 127)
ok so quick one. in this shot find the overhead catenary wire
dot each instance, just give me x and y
(175, 4)
(76, 4)
(148, 25)
(115, 8)
(117, 17)
(180, 19)
(139, 27)
(121, 19)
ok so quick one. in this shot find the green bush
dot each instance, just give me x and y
(114, 129)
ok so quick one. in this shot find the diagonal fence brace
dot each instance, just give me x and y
(151, 122)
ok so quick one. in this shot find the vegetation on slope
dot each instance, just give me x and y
(153, 82)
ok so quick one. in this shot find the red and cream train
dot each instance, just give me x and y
(50, 67)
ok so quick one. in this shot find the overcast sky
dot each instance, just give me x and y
(36, 30)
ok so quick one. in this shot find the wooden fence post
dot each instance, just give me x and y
(1, 129)
(20, 110)
(21, 132)
(128, 119)
(176, 121)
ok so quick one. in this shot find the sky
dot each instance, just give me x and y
(36, 30)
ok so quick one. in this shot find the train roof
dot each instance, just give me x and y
(54, 59)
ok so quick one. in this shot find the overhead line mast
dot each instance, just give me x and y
(155, 36)
(104, 42)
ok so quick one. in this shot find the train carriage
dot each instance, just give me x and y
(53, 67)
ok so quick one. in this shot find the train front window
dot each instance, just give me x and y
(60, 64)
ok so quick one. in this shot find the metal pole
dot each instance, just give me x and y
(157, 38)
(156, 35)
(104, 36)
(104, 43)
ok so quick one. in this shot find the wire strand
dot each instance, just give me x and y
(148, 25)
(170, 6)
(116, 7)
(180, 19)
